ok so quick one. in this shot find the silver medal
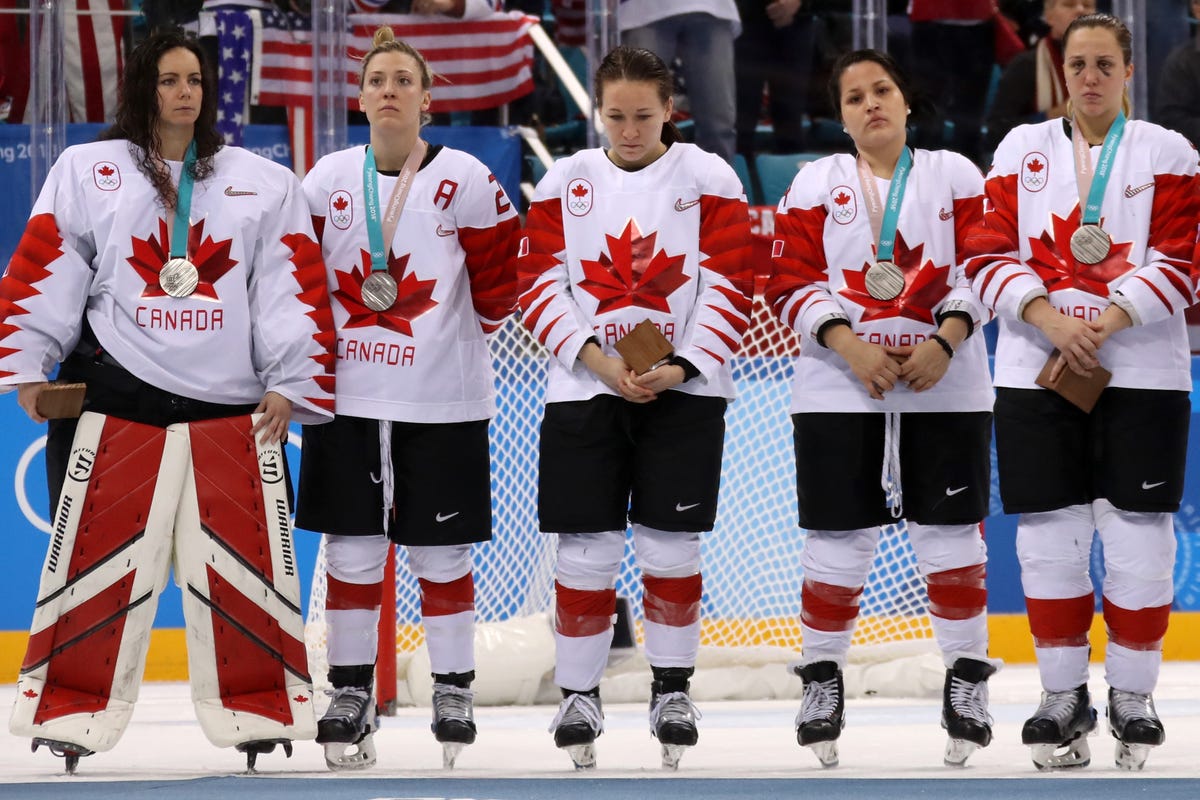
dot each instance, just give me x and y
(884, 280)
(1090, 244)
(178, 277)
(379, 291)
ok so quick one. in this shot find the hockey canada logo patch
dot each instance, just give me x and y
(341, 209)
(843, 204)
(1035, 172)
(579, 197)
(107, 176)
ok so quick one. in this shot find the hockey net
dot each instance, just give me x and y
(751, 560)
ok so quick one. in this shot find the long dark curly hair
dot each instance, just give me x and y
(138, 112)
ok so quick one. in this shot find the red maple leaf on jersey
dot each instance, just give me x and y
(579, 190)
(1035, 166)
(106, 171)
(340, 204)
(1050, 257)
(211, 259)
(925, 284)
(413, 297)
(842, 199)
(631, 273)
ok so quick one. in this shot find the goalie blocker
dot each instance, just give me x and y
(135, 497)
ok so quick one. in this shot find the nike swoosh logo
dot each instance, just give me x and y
(443, 517)
(1130, 192)
(1148, 486)
(682, 206)
(443, 232)
(951, 492)
(680, 506)
(232, 192)
(944, 215)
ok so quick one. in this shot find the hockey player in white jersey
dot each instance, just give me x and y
(649, 229)
(891, 397)
(181, 282)
(1086, 250)
(420, 244)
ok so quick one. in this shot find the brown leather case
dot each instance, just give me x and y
(1079, 391)
(643, 347)
(61, 400)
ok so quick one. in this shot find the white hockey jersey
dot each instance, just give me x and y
(1022, 250)
(258, 321)
(606, 249)
(453, 258)
(823, 248)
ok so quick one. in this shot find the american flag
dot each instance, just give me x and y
(235, 33)
(570, 22)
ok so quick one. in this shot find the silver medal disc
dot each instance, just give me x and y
(379, 291)
(1090, 244)
(178, 277)
(884, 281)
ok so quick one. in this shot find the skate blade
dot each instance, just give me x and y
(826, 753)
(1132, 757)
(671, 754)
(69, 753)
(450, 751)
(584, 755)
(1072, 755)
(958, 751)
(343, 757)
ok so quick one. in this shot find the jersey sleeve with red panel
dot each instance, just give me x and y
(1021, 251)
(453, 257)
(606, 249)
(823, 248)
(255, 323)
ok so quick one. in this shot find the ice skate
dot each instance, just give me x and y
(965, 709)
(1135, 725)
(578, 722)
(1057, 731)
(69, 753)
(672, 714)
(822, 712)
(453, 720)
(260, 746)
(347, 730)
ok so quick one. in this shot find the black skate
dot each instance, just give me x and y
(1135, 725)
(579, 721)
(965, 709)
(822, 712)
(348, 728)
(69, 753)
(672, 714)
(453, 714)
(1058, 730)
(259, 747)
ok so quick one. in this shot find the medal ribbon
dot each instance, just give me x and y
(1091, 187)
(380, 234)
(183, 205)
(884, 219)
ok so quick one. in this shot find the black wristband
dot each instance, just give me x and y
(689, 369)
(830, 324)
(937, 337)
(964, 316)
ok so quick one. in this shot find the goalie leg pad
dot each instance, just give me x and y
(235, 562)
(106, 565)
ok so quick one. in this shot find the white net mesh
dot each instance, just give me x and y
(751, 559)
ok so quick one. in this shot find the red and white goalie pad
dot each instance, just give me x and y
(107, 563)
(236, 566)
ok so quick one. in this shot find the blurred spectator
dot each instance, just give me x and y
(1166, 29)
(953, 52)
(1032, 87)
(775, 50)
(700, 33)
(1178, 100)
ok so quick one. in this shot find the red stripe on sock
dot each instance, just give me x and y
(672, 601)
(1136, 629)
(440, 599)
(958, 593)
(827, 607)
(581, 612)
(1060, 623)
(342, 596)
